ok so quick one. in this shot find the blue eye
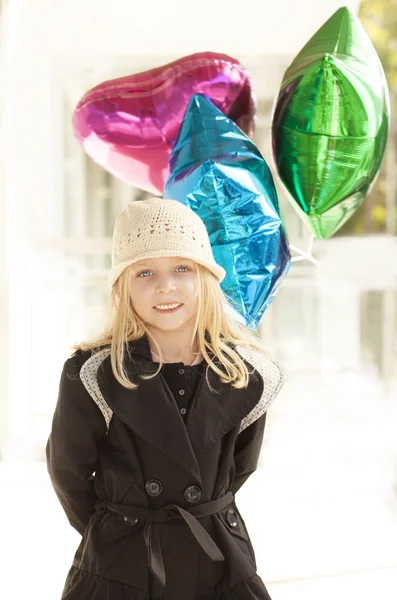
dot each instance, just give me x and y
(184, 267)
(143, 273)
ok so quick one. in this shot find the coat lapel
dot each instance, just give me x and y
(153, 414)
(213, 414)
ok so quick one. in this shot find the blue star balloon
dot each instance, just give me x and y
(219, 173)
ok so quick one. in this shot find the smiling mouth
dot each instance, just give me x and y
(166, 308)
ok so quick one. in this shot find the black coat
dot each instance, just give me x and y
(152, 495)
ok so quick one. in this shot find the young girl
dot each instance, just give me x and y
(159, 422)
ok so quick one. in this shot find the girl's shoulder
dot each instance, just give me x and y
(268, 367)
(81, 359)
(272, 376)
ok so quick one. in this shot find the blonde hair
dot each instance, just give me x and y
(214, 330)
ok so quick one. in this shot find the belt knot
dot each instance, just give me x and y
(172, 511)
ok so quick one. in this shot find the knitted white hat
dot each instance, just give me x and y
(157, 227)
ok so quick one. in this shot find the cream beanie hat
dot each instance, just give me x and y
(158, 227)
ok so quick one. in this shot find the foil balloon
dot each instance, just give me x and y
(218, 172)
(128, 125)
(330, 124)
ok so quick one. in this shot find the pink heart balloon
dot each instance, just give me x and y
(129, 125)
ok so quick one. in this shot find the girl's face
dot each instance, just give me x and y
(164, 292)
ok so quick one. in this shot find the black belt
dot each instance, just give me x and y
(166, 513)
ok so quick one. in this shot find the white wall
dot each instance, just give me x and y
(254, 27)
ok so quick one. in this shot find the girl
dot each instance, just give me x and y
(159, 422)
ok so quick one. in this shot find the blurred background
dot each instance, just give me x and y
(322, 507)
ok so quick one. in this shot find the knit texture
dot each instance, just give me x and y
(155, 228)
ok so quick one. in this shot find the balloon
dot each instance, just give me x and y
(219, 173)
(128, 125)
(330, 124)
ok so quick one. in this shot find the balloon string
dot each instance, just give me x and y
(304, 255)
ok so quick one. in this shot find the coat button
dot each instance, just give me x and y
(192, 493)
(131, 520)
(153, 487)
(231, 517)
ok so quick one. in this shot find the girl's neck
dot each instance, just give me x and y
(192, 359)
(174, 350)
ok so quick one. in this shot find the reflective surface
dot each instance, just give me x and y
(219, 173)
(330, 124)
(128, 125)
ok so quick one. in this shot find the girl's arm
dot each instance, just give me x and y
(72, 448)
(247, 450)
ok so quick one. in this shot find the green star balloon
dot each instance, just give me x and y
(330, 124)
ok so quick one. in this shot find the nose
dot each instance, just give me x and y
(165, 285)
